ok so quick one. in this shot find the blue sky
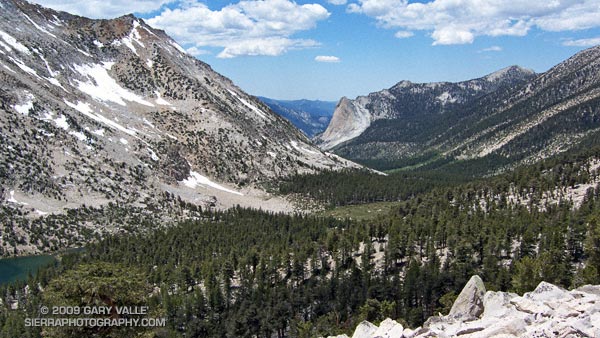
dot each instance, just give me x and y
(332, 48)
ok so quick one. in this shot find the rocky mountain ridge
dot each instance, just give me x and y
(94, 112)
(408, 100)
(521, 122)
(548, 311)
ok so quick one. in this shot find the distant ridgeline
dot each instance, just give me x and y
(310, 116)
(497, 122)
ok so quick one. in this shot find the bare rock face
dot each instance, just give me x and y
(497, 304)
(350, 119)
(469, 304)
(548, 311)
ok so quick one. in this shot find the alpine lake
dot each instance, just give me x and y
(18, 268)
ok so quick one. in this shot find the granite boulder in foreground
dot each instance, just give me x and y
(547, 311)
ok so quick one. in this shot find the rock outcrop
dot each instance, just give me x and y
(548, 311)
(469, 304)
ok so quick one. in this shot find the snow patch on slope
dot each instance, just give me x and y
(302, 149)
(79, 135)
(160, 100)
(178, 47)
(41, 29)
(24, 67)
(101, 86)
(249, 105)
(196, 179)
(25, 107)
(134, 36)
(14, 43)
(61, 122)
(12, 199)
(85, 109)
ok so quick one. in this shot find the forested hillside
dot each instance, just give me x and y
(156, 182)
(244, 273)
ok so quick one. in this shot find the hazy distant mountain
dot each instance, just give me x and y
(94, 112)
(310, 116)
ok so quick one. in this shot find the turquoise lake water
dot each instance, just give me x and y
(17, 268)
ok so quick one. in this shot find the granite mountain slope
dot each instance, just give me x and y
(414, 104)
(94, 112)
(525, 117)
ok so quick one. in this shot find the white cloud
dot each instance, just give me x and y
(327, 58)
(582, 42)
(264, 46)
(249, 27)
(461, 21)
(491, 49)
(451, 35)
(104, 9)
(403, 34)
(337, 2)
(195, 51)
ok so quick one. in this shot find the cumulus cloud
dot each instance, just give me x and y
(337, 2)
(249, 27)
(461, 21)
(327, 58)
(104, 9)
(582, 42)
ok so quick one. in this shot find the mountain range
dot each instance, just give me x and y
(510, 117)
(114, 140)
(310, 116)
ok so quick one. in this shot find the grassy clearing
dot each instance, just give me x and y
(359, 212)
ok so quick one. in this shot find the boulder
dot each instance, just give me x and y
(389, 329)
(548, 292)
(497, 305)
(548, 311)
(408, 333)
(507, 327)
(469, 304)
(527, 305)
(365, 330)
(590, 289)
